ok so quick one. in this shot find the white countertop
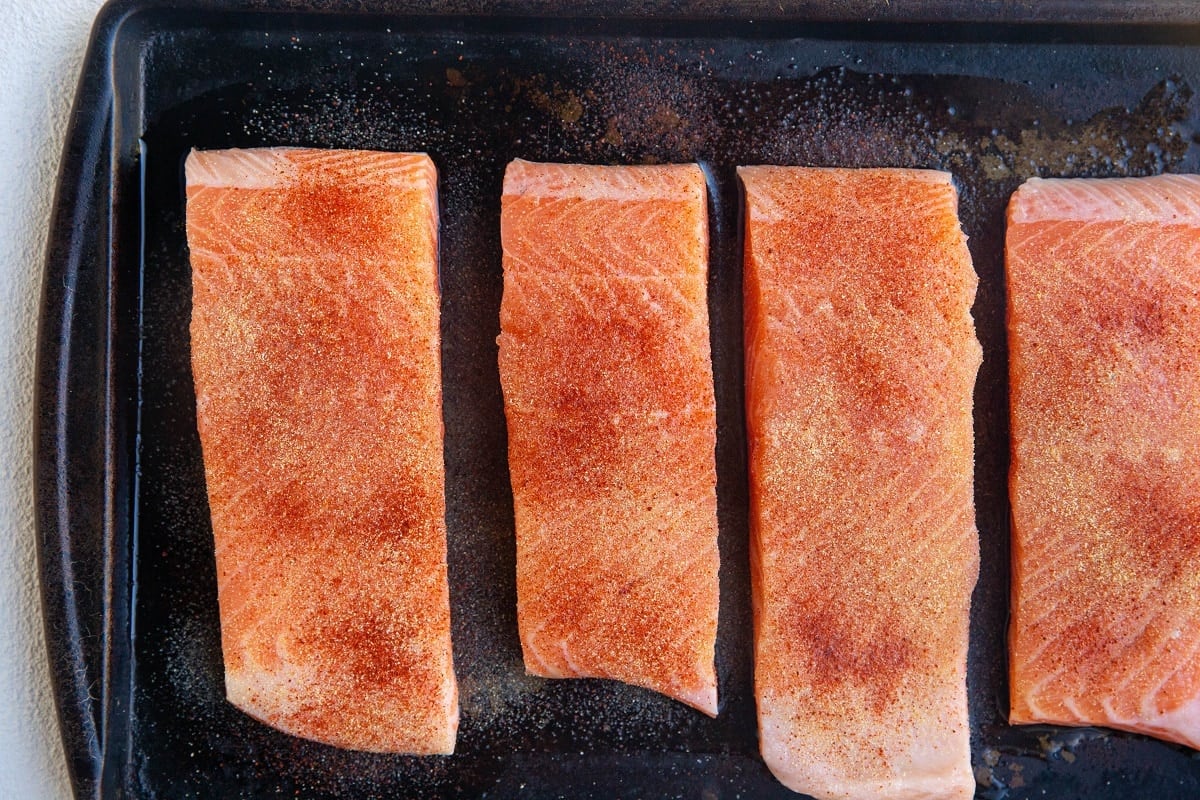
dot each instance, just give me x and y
(41, 49)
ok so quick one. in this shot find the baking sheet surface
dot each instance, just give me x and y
(993, 106)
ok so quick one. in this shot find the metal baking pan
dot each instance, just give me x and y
(993, 92)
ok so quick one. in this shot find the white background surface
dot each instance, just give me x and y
(41, 50)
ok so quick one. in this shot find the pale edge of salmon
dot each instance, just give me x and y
(607, 378)
(1104, 339)
(861, 359)
(315, 354)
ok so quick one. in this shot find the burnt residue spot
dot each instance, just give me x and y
(1112, 142)
(550, 97)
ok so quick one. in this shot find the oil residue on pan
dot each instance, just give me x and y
(474, 98)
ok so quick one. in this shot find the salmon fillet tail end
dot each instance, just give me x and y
(316, 360)
(608, 395)
(861, 359)
(1104, 372)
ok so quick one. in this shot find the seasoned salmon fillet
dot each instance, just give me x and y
(861, 359)
(315, 355)
(1104, 360)
(607, 378)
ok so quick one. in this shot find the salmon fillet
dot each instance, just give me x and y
(861, 359)
(607, 378)
(315, 355)
(1104, 359)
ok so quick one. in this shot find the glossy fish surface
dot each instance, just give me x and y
(1104, 340)
(315, 356)
(607, 377)
(861, 359)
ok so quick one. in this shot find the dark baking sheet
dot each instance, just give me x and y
(1092, 89)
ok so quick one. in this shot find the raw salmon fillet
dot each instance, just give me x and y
(1104, 360)
(861, 359)
(607, 378)
(315, 354)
